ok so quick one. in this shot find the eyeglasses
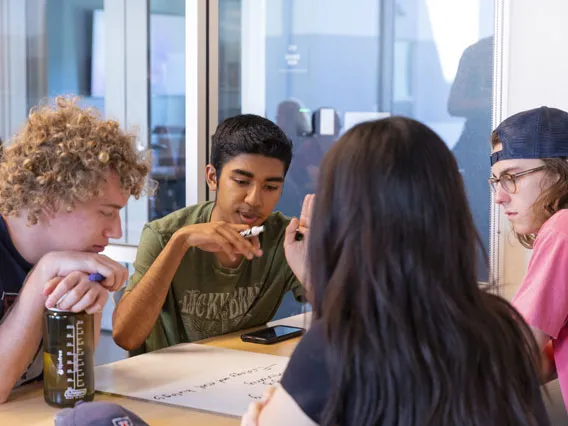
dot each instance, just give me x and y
(509, 181)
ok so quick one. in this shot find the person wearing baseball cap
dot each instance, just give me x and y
(530, 178)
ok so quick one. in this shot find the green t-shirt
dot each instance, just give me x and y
(206, 299)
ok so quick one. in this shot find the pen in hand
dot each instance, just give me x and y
(92, 277)
(252, 232)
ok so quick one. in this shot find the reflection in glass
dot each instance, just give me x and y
(167, 105)
(470, 98)
(75, 45)
(329, 64)
(77, 64)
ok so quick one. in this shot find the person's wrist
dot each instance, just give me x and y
(182, 238)
(45, 268)
(37, 279)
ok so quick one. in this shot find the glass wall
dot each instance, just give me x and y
(317, 67)
(124, 58)
(167, 105)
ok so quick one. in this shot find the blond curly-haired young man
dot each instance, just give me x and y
(63, 180)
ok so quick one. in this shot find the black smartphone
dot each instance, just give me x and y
(269, 335)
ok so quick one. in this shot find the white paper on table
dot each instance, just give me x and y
(193, 375)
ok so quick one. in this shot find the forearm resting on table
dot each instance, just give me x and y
(138, 309)
(20, 335)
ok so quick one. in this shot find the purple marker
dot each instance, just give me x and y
(96, 277)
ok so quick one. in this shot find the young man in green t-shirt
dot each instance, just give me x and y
(195, 275)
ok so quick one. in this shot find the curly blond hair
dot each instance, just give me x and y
(61, 156)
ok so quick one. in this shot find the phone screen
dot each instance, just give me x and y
(275, 332)
(272, 334)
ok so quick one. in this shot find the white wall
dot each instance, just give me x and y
(537, 74)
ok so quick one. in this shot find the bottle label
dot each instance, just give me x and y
(71, 393)
(60, 371)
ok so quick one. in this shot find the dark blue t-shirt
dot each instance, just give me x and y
(13, 271)
(307, 378)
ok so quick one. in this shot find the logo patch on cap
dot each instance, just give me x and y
(122, 421)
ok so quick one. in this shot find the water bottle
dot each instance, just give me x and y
(68, 357)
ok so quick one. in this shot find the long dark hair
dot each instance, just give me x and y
(412, 340)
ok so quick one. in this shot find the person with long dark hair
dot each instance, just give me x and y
(402, 334)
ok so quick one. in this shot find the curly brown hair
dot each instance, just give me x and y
(551, 199)
(60, 158)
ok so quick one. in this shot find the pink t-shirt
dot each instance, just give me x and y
(542, 298)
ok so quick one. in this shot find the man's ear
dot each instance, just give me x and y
(211, 177)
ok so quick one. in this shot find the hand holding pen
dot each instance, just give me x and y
(218, 236)
(94, 277)
(70, 282)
